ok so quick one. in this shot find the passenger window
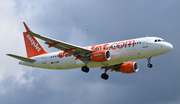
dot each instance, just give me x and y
(155, 40)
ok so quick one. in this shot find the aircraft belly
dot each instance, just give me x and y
(71, 63)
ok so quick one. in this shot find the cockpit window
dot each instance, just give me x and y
(159, 40)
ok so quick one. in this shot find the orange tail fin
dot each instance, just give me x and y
(33, 48)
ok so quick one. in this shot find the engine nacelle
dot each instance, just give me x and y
(101, 56)
(129, 67)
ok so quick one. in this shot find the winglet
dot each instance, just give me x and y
(27, 28)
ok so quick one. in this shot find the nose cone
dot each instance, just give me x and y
(168, 47)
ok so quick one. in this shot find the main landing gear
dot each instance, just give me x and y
(149, 60)
(85, 69)
(104, 75)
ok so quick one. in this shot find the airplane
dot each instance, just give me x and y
(110, 56)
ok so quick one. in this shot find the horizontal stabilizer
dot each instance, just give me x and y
(21, 58)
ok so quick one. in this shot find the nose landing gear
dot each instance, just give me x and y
(149, 60)
(150, 65)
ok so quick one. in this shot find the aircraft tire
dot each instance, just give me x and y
(150, 65)
(85, 69)
(104, 76)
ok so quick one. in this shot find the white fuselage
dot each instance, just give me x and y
(120, 52)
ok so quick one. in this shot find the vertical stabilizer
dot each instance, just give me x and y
(33, 48)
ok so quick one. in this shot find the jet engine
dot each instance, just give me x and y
(101, 56)
(129, 67)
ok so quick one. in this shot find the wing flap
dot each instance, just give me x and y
(21, 58)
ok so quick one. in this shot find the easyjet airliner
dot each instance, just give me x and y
(110, 56)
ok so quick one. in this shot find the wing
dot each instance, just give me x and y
(59, 44)
(66, 47)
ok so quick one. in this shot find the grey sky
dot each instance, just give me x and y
(106, 21)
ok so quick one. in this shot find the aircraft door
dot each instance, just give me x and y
(145, 43)
(44, 60)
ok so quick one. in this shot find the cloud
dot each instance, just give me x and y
(10, 41)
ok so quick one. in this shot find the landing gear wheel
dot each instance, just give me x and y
(104, 76)
(149, 60)
(85, 69)
(150, 65)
